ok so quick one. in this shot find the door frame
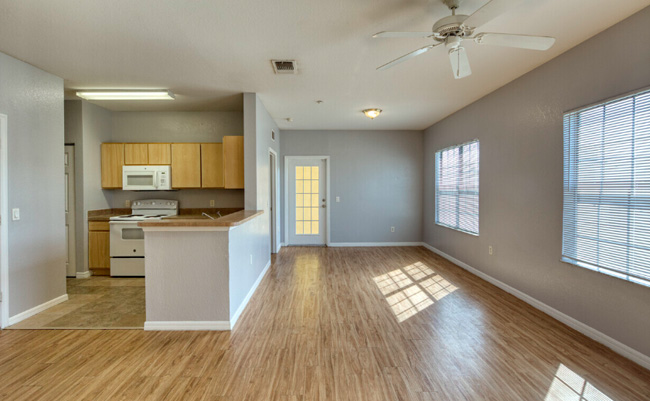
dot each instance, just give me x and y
(325, 159)
(72, 230)
(274, 200)
(4, 224)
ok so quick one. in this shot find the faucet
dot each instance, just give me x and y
(207, 215)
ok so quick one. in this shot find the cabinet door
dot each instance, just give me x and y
(212, 165)
(98, 249)
(136, 154)
(186, 165)
(233, 162)
(112, 162)
(160, 153)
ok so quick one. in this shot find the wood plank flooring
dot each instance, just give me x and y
(347, 324)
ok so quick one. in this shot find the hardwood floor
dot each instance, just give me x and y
(335, 324)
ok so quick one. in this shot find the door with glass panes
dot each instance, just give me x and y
(307, 201)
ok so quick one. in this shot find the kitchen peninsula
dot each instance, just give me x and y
(200, 273)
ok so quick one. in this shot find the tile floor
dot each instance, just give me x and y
(95, 303)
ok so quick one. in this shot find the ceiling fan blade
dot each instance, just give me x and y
(520, 41)
(459, 62)
(407, 56)
(488, 12)
(384, 34)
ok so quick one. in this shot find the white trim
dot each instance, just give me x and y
(4, 226)
(364, 244)
(275, 202)
(242, 306)
(188, 228)
(187, 326)
(280, 245)
(327, 195)
(37, 309)
(85, 274)
(614, 345)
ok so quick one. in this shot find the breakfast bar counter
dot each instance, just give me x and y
(201, 272)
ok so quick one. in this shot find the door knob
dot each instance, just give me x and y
(323, 206)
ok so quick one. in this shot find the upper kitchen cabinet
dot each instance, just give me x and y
(136, 154)
(160, 153)
(212, 165)
(112, 162)
(233, 162)
(186, 165)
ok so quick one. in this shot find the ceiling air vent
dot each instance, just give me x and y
(284, 66)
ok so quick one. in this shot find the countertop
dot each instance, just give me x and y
(190, 214)
(230, 220)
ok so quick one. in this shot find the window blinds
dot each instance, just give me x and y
(606, 219)
(457, 187)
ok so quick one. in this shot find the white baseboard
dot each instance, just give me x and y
(235, 317)
(187, 326)
(614, 345)
(37, 309)
(85, 274)
(365, 244)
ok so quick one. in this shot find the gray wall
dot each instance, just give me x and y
(96, 123)
(200, 126)
(33, 102)
(520, 129)
(376, 174)
(74, 135)
(245, 241)
(87, 126)
(196, 292)
(258, 125)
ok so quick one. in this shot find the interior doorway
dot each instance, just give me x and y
(307, 200)
(273, 200)
(69, 183)
(4, 227)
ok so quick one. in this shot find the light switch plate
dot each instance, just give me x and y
(15, 214)
(211, 202)
(127, 203)
(338, 199)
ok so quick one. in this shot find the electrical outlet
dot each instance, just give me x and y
(15, 214)
(211, 202)
(127, 203)
(392, 229)
(338, 198)
(490, 249)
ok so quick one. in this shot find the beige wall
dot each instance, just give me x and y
(520, 129)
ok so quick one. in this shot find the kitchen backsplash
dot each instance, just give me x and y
(188, 198)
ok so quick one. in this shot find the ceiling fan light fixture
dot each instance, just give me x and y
(131, 94)
(372, 113)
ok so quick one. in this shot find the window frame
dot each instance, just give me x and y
(458, 192)
(569, 185)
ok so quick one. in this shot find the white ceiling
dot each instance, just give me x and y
(209, 52)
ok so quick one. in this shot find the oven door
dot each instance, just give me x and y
(127, 239)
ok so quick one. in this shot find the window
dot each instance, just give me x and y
(457, 187)
(307, 194)
(606, 219)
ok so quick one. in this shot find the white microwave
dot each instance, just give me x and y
(146, 178)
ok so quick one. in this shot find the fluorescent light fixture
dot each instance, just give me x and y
(138, 94)
(372, 113)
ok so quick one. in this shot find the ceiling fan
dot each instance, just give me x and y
(453, 30)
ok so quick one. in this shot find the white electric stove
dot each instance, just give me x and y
(127, 239)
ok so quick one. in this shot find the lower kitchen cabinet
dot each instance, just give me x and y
(99, 260)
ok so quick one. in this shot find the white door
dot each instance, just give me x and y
(70, 261)
(307, 201)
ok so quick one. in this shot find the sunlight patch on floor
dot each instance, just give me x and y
(568, 385)
(412, 289)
